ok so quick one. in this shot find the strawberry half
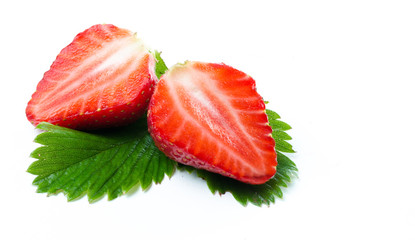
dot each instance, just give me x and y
(104, 78)
(210, 116)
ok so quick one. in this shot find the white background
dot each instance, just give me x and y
(340, 72)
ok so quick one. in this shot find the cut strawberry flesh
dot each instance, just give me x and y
(210, 116)
(105, 77)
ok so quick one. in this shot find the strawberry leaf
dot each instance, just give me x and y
(110, 161)
(161, 67)
(263, 194)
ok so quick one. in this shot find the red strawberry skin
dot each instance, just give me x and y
(104, 78)
(210, 116)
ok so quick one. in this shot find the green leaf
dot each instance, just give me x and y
(109, 162)
(272, 115)
(283, 146)
(161, 67)
(113, 161)
(278, 132)
(263, 194)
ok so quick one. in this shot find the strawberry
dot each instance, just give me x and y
(211, 117)
(104, 78)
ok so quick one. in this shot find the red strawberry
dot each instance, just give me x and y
(210, 116)
(104, 78)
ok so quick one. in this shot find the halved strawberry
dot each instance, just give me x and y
(104, 78)
(210, 116)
